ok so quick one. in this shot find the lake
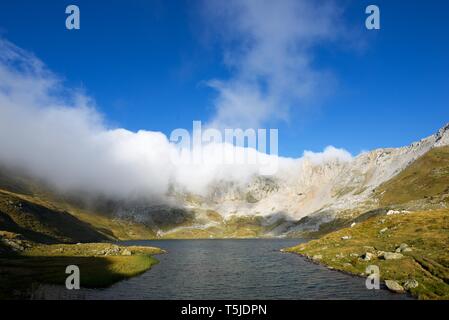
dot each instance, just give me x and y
(233, 269)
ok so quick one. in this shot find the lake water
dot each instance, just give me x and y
(234, 269)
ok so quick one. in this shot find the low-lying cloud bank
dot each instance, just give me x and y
(56, 134)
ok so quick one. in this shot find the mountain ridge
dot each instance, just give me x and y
(300, 199)
(320, 190)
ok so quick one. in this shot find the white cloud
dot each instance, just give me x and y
(330, 153)
(268, 47)
(56, 134)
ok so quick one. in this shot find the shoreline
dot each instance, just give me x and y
(345, 272)
(406, 263)
(101, 265)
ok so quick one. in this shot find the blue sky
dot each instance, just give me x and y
(147, 63)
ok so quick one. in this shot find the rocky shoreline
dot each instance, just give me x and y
(406, 263)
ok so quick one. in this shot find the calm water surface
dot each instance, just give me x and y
(234, 269)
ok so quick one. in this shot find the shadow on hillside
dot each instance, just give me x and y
(44, 225)
(8, 224)
(20, 276)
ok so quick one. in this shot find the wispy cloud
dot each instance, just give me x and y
(268, 47)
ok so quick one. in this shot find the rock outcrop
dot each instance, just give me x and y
(394, 286)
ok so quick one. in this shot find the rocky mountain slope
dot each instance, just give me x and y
(308, 194)
(304, 197)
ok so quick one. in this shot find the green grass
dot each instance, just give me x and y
(46, 264)
(86, 250)
(426, 232)
(33, 215)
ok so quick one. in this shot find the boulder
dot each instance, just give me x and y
(392, 212)
(383, 230)
(368, 256)
(126, 252)
(317, 257)
(346, 238)
(390, 255)
(410, 284)
(403, 248)
(394, 286)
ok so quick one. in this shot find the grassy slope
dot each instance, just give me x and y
(423, 186)
(31, 215)
(47, 263)
(41, 223)
(45, 220)
(427, 233)
(28, 205)
(425, 179)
